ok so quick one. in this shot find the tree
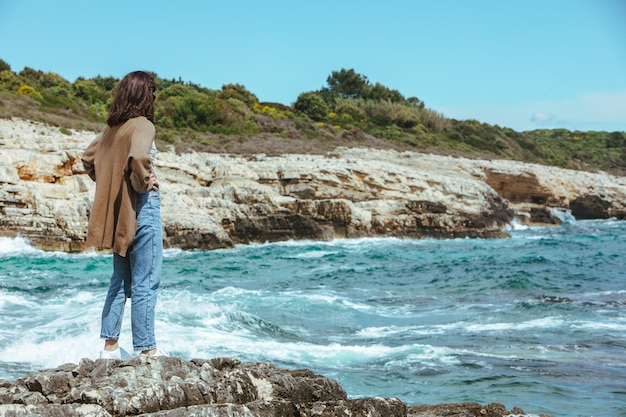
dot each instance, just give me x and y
(313, 105)
(379, 92)
(415, 102)
(347, 83)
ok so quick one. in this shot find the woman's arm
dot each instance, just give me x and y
(89, 157)
(142, 178)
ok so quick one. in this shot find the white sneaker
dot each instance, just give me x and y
(111, 354)
(159, 352)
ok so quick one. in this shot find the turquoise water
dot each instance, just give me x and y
(536, 321)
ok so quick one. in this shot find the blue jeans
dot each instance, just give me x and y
(137, 276)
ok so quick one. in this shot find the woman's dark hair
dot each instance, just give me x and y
(134, 97)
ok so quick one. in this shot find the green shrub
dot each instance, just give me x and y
(166, 135)
(406, 118)
(379, 92)
(434, 120)
(175, 90)
(239, 107)
(31, 75)
(312, 105)
(9, 81)
(58, 98)
(105, 83)
(50, 79)
(197, 112)
(89, 91)
(239, 92)
(4, 66)
(349, 107)
(616, 140)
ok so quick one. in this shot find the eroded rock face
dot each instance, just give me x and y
(220, 387)
(593, 207)
(217, 201)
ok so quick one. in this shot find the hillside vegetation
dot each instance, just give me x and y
(348, 111)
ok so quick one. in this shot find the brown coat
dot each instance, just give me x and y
(118, 160)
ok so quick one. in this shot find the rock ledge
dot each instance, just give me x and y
(220, 387)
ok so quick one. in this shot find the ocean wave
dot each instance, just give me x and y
(543, 323)
(515, 224)
(15, 246)
(564, 215)
(314, 254)
(20, 246)
(384, 332)
(12, 300)
(600, 326)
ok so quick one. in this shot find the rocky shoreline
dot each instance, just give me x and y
(217, 201)
(220, 387)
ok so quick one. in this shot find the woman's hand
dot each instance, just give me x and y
(155, 182)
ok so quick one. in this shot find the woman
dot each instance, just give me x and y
(126, 214)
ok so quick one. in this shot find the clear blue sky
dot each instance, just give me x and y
(523, 64)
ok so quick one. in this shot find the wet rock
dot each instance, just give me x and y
(590, 207)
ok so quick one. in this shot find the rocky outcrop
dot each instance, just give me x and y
(217, 201)
(221, 387)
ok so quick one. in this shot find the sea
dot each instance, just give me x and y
(537, 320)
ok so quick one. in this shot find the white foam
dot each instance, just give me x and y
(8, 300)
(20, 246)
(516, 224)
(564, 215)
(382, 332)
(315, 254)
(618, 327)
(236, 291)
(547, 322)
(83, 297)
(67, 338)
(12, 246)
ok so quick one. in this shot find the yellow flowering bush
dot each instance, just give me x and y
(270, 111)
(27, 90)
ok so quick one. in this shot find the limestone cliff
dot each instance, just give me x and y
(217, 201)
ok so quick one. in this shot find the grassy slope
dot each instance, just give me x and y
(577, 150)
